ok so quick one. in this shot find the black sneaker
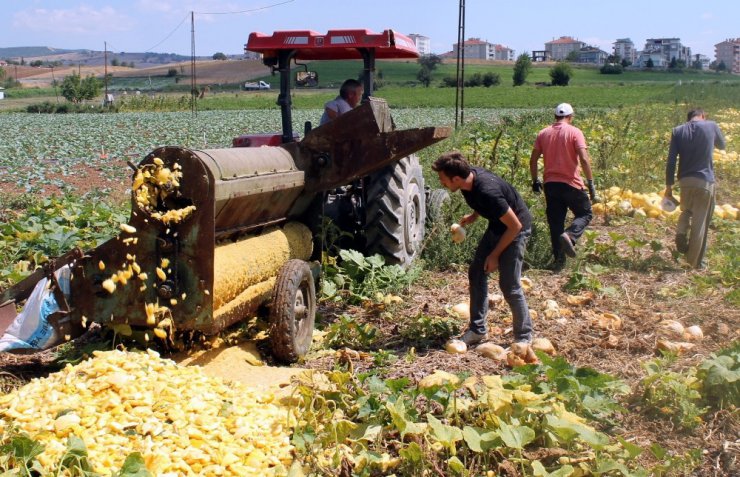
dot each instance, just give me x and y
(682, 243)
(567, 245)
(556, 266)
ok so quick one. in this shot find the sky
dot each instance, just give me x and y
(164, 26)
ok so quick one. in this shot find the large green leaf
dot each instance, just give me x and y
(516, 437)
(538, 470)
(446, 435)
(568, 429)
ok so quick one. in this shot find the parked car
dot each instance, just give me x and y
(252, 85)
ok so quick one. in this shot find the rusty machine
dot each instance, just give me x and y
(215, 233)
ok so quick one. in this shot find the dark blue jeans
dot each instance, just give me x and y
(509, 275)
(560, 198)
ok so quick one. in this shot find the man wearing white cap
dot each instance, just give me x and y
(564, 149)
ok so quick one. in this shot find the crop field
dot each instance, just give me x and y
(640, 378)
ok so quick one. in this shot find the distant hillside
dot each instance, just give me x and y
(32, 51)
(92, 58)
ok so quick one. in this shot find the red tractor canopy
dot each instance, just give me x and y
(334, 45)
(282, 47)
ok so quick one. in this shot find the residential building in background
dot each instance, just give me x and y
(560, 49)
(703, 60)
(592, 55)
(625, 50)
(477, 49)
(662, 51)
(504, 53)
(729, 52)
(540, 55)
(423, 43)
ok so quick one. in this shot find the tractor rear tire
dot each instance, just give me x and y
(396, 212)
(293, 311)
(435, 206)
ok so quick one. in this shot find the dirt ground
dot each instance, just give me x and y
(641, 299)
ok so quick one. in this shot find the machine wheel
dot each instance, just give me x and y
(293, 311)
(435, 204)
(396, 212)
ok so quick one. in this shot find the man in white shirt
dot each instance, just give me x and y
(350, 94)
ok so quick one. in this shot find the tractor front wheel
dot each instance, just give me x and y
(293, 311)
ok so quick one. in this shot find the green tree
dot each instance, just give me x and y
(76, 89)
(491, 79)
(722, 66)
(572, 56)
(428, 65)
(522, 67)
(114, 62)
(219, 56)
(649, 63)
(561, 73)
(172, 72)
(626, 63)
(697, 65)
(424, 76)
(611, 69)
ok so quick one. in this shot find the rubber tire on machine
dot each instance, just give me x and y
(396, 212)
(435, 204)
(293, 311)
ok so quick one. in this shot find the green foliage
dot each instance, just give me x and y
(561, 73)
(671, 395)
(422, 330)
(50, 227)
(720, 378)
(19, 453)
(584, 391)
(219, 56)
(76, 90)
(611, 69)
(347, 332)
(522, 67)
(358, 278)
(391, 426)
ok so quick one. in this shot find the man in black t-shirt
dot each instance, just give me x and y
(502, 246)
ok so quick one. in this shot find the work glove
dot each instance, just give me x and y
(536, 186)
(592, 192)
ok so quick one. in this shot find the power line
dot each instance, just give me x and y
(171, 33)
(189, 14)
(246, 11)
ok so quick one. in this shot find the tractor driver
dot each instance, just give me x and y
(350, 94)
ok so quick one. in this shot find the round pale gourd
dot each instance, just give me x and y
(462, 310)
(456, 347)
(694, 333)
(458, 233)
(671, 328)
(491, 351)
(544, 345)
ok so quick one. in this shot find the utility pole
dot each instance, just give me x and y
(460, 87)
(105, 74)
(54, 81)
(193, 91)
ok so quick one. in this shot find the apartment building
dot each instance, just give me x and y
(560, 49)
(504, 53)
(423, 43)
(592, 55)
(662, 51)
(625, 49)
(475, 48)
(729, 52)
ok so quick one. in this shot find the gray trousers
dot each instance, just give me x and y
(697, 207)
(509, 280)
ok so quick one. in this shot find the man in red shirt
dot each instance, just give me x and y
(564, 149)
